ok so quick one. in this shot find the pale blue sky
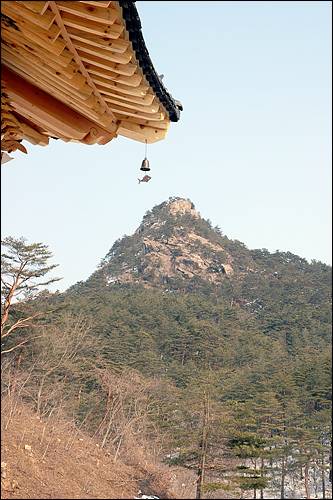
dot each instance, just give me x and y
(252, 149)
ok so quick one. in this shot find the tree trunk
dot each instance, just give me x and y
(323, 485)
(262, 465)
(284, 457)
(118, 448)
(108, 429)
(315, 484)
(7, 304)
(283, 475)
(330, 474)
(39, 394)
(203, 445)
(183, 358)
(306, 481)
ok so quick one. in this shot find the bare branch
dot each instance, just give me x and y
(21, 323)
(19, 345)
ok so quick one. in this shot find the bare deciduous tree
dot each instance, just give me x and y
(55, 366)
(128, 405)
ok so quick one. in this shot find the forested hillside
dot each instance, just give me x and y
(218, 354)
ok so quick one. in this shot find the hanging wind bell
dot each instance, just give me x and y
(145, 163)
(145, 167)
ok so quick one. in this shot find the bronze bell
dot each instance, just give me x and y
(145, 165)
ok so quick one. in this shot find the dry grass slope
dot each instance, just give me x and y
(50, 458)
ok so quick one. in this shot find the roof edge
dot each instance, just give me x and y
(133, 26)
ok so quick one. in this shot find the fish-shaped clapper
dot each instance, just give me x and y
(146, 178)
(5, 157)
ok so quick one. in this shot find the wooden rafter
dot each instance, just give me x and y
(71, 72)
(78, 60)
(41, 108)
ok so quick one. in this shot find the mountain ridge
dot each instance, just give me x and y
(175, 250)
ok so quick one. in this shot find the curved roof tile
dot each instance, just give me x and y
(134, 28)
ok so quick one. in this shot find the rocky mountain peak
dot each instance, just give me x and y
(174, 207)
(172, 248)
(182, 206)
(175, 249)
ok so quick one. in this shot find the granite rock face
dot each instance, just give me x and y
(173, 243)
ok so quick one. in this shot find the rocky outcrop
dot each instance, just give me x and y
(168, 245)
(181, 206)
